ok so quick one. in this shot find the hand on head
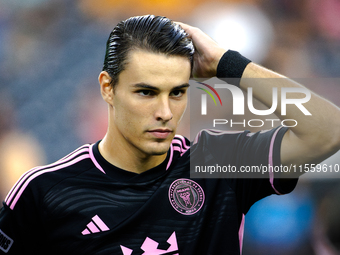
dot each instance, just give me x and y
(207, 52)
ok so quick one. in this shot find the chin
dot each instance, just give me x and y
(160, 149)
(161, 152)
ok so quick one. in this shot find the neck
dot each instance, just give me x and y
(129, 159)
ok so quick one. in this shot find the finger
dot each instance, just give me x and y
(187, 28)
(199, 38)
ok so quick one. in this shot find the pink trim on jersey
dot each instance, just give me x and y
(17, 190)
(270, 161)
(181, 149)
(40, 172)
(171, 156)
(82, 149)
(95, 162)
(15, 187)
(186, 147)
(241, 233)
(24, 176)
(178, 140)
(197, 137)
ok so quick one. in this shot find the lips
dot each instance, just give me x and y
(160, 133)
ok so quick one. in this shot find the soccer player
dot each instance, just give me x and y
(131, 193)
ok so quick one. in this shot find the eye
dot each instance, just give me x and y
(145, 92)
(177, 93)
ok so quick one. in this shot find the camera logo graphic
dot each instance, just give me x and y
(204, 97)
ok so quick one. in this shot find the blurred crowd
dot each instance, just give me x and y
(51, 52)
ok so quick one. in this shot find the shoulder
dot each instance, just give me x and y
(238, 148)
(39, 179)
(213, 135)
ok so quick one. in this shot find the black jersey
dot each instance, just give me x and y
(82, 204)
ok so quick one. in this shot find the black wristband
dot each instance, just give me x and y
(231, 67)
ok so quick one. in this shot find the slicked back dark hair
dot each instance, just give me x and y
(153, 33)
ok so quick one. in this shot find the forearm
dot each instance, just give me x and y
(312, 139)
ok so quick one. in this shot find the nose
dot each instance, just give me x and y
(163, 111)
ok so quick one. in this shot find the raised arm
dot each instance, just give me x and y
(313, 139)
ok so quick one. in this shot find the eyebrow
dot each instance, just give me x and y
(147, 86)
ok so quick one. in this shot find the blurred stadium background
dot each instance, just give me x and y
(51, 52)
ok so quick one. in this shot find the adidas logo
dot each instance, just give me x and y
(149, 247)
(95, 226)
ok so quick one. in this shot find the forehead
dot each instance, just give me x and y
(155, 69)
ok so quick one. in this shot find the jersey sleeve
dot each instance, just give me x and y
(255, 158)
(20, 231)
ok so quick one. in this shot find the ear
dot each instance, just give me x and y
(106, 88)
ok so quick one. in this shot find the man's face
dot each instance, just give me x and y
(149, 101)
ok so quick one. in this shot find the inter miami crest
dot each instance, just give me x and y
(186, 196)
